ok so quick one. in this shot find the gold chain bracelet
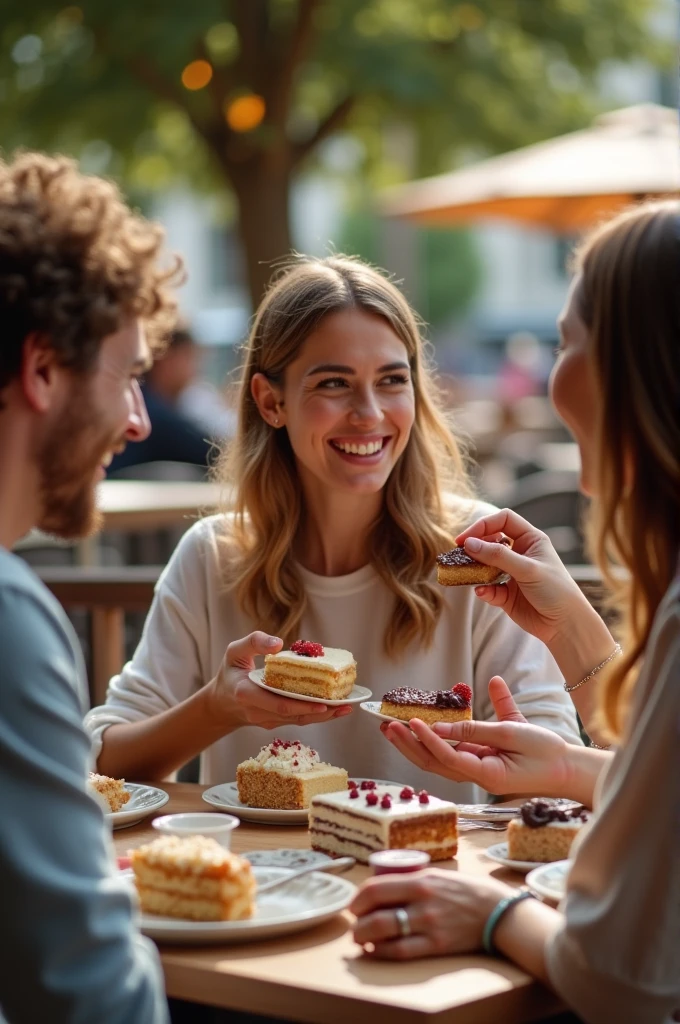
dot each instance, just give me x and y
(615, 653)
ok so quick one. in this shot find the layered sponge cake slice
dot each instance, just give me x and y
(545, 830)
(312, 670)
(285, 775)
(376, 817)
(193, 878)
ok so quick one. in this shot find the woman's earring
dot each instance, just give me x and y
(276, 422)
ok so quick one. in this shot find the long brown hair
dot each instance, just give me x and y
(630, 301)
(415, 522)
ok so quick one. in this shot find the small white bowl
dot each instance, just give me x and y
(214, 826)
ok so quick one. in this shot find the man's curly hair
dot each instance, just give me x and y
(76, 264)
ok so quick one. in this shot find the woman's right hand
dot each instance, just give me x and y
(540, 596)
(237, 701)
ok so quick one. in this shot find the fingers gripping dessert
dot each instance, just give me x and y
(544, 831)
(112, 791)
(193, 878)
(286, 775)
(455, 568)
(429, 706)
(310, 669)
(372, 817)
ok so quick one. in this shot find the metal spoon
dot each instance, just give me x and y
(340, 864)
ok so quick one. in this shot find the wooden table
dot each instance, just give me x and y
(321, 976)
(138, 505)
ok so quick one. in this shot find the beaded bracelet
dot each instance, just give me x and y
(497, 913)
(615, 653)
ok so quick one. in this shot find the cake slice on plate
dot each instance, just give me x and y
(111, 791)
(429, 706)
(285, 776)
(374, 817)
(193, 878)
(310, 669)
(545, 830)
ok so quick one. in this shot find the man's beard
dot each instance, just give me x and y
(67, 461)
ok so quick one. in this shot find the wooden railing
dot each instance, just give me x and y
(106, 594)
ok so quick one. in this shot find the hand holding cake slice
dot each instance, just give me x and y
(455, 568)
(429, 706)
(311, 670)
(285, 775)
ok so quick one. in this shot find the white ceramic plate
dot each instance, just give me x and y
(358, 693)
(499, 853)
(144, 800)
(289, 859)
(225, 796)
(304, 903)
(550, 880)
(372, 707)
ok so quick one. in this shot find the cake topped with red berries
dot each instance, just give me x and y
(373, 816)
(313, 670)
(430, 706)
(285, 775)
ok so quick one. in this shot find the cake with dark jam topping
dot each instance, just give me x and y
(429, 706)
(545, 830)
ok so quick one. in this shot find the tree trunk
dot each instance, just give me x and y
(263, 196)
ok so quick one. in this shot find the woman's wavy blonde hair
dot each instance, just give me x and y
(629, 295)
(415, 523)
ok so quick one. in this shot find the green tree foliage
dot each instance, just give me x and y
(104, 80)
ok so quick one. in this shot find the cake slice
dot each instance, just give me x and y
(112, 791)
(544, 831)
(309, 669)
(285, 775)
(378, 817)
(193, 878)
(429, 706)
(455, 568)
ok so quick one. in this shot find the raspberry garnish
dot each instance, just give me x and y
(368, 784)
(464, 691)
(351, 784)
(307, 648)
(424, 796)
(371, 798)
(406, 793)
(386, 802)
(353, 793)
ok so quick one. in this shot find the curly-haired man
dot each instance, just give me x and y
(84, 302)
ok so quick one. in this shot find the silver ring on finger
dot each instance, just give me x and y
(403, 922)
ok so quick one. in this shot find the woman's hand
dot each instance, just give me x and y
(446, 913)
(235, 699)
(507, 756)
(541, 596)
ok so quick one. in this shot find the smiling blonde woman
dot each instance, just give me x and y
(347, 483)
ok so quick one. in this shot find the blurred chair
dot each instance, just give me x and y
(553, 503)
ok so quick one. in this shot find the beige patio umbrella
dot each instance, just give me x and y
(565, 184)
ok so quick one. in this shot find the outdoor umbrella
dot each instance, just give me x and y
(565, 184)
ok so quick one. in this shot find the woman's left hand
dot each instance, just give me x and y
(446, 912)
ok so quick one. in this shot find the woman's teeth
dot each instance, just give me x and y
(359, 449)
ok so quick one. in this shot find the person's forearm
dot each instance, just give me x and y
(584, 766)
(523, 933)
(155, 747)
(577, 651)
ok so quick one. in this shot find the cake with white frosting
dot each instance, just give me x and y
(545, 830)
(285, 775)
(111, 792)
(310, 669)
(373, 817)
(193, 878)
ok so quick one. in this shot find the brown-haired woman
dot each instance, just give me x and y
(615, 953)
(341, 468)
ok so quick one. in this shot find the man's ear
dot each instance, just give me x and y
(267, 397)
(41, 374)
